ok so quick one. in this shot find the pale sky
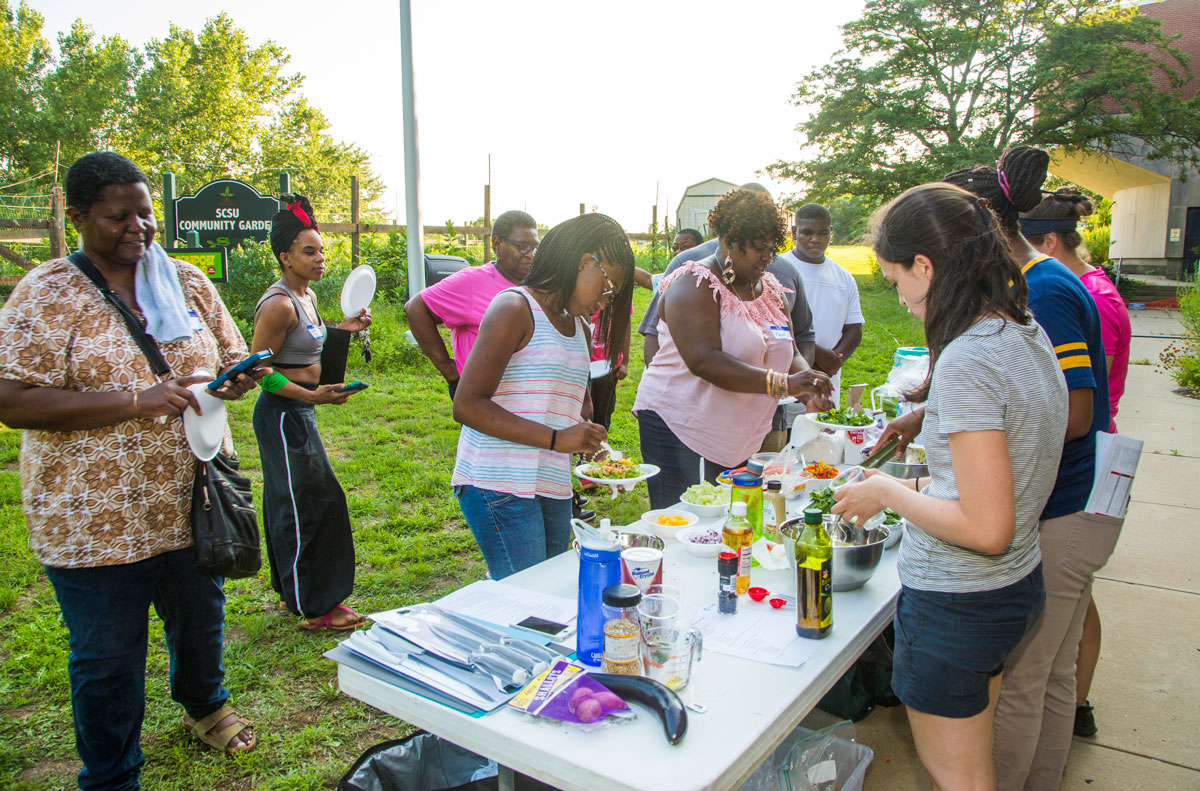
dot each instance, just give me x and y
(593, 103)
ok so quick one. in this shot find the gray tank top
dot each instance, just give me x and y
(302, 346)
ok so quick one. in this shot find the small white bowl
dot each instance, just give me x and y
(668, 531)
(705, 511)
(895, 533)
(688, 535)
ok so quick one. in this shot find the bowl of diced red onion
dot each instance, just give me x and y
(703, 541)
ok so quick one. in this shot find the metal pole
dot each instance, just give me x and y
(355, 238)
(168, 180)
(285, 186)
(412, 168)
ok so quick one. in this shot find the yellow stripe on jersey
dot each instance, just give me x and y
(1071, 347)
(1075, 361)
(1029, 265)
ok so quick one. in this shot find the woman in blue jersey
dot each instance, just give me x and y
(522, 397)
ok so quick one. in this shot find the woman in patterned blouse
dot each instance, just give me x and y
(106, 472)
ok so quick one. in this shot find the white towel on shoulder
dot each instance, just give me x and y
(161, 297)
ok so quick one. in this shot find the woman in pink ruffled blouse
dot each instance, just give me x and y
(726, 354)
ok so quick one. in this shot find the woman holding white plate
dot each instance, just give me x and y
(523, 392)
(106, 474)
(309, 543)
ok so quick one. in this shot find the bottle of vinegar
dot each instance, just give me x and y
(814, 578)
(738, 535)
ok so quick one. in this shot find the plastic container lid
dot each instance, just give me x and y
(738, 508)
(727, 563)
(812, 516)
(746, 480)
(775, 486)
(623, 596)
(755, 466)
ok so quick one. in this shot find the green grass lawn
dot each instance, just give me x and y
(393, 449)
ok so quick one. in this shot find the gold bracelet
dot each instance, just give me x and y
(137, 413)
(784, 381)
(770, 375)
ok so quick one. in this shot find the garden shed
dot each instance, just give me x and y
(698, 200)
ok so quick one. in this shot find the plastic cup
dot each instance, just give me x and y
(657, 611)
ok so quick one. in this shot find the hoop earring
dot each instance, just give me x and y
(727, 272)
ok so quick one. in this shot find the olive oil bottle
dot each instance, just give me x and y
(814, 578)
(738, 535)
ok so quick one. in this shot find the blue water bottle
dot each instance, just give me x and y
(599, 567)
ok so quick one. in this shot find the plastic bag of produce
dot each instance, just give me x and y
(566, 692)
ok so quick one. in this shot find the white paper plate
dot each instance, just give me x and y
(600, 368)
(812, 416)
(358, 290)
(205, 432)
(648, 471)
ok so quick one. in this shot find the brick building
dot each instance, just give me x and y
(1156, 204)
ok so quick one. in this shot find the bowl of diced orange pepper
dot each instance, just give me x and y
(666, 522)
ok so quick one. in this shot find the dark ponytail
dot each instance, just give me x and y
(1057, 213)
(286, 225)
(974, 271)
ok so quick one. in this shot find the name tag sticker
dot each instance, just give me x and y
(316, 332)
(197, 325)
(782, 333)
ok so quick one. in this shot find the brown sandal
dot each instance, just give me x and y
(202, 728)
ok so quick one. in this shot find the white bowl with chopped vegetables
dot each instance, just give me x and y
(706, 500)
(666, 522)
(703, 541)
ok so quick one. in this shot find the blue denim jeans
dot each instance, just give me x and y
(513, 532)
(106, 610)
(679, 464)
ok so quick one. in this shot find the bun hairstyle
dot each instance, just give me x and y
(973, 264)
(1057, 213)
(286, 225)
(1012, 187)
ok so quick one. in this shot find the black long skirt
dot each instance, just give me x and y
(310, 547)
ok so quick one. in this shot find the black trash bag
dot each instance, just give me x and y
(867, 684)
(424, 762)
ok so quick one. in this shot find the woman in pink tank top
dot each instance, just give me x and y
(726, 353)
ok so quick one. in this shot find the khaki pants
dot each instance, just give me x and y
(1036, 713)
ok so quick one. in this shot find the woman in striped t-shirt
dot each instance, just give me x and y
(523, 396)
(995, 416)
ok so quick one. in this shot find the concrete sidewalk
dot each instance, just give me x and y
(1147, 685)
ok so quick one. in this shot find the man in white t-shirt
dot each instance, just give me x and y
(832, 293)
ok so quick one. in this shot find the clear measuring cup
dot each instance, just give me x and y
(668, 653)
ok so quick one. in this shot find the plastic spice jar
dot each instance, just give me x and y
(622, 631)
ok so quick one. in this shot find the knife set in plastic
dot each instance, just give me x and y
(452, 654)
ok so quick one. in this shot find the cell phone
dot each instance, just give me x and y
(248, 364)
(549, 628)
(353, 387)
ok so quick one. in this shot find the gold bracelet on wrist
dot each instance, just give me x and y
(137, 413)
(770, 374)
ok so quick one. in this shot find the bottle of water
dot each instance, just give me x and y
(599, 568)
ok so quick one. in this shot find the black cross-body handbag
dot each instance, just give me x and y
(224, 527)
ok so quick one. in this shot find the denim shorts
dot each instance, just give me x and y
(950, 645)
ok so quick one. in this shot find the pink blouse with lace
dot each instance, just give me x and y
(722, 426)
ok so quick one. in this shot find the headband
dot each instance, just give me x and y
(1036, 226)
(308, 222)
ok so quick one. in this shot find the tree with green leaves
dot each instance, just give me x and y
(924, 87)
(203, 105)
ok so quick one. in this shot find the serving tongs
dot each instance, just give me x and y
(882, 453)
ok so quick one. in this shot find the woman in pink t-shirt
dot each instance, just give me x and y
(726, 353)
(1050, 227)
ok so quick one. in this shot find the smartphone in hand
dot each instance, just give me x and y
(353, 387)
(248, 364)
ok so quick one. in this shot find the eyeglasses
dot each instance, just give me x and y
(611, 290)
(524, 248)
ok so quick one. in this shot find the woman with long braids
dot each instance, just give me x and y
(309, 544)
(995, 412)
(522, 397)
(726, 353)
(1051, 228)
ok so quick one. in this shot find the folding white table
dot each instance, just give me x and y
(751, 706)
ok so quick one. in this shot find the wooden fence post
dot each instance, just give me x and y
(58, 226)
(168, 181)
(581, 211)
(354, 237)
(487, 223)
(653, 235)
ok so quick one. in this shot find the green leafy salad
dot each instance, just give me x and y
(845, 417)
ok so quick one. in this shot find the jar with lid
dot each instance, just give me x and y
(622, 631)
